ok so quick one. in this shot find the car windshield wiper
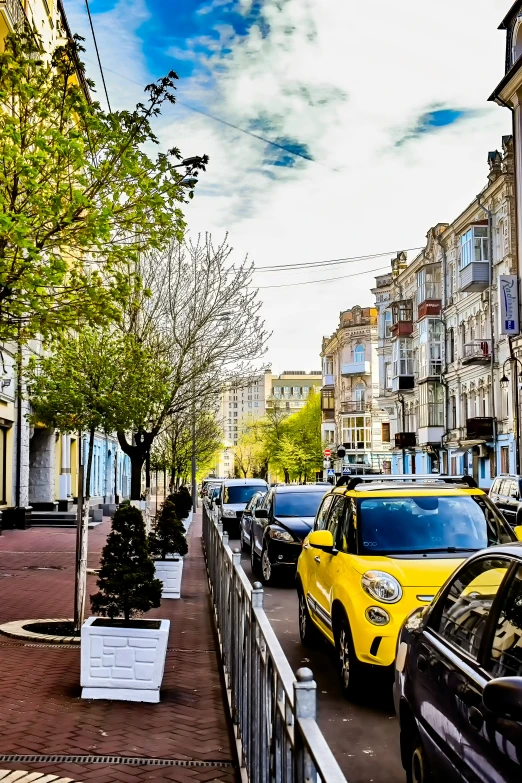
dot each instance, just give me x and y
(450, 549)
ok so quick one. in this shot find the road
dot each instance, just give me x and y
(364, 737)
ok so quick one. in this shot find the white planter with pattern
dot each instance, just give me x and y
(124, 664)
(170, 572)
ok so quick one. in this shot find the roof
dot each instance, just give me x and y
(514, 549)
(411, 490)
(509, 16)
(290, 488)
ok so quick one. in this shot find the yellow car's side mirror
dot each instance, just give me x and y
(321, 539)
(518, 532)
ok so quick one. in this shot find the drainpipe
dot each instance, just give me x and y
(492, 328)
(443, 367)
(18, 494)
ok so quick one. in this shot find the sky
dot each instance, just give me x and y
(366, 124)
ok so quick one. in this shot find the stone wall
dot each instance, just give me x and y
(42, 456)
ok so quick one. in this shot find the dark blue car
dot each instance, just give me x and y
(458, 682)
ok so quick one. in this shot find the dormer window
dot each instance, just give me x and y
(516, 49)
(474, 246)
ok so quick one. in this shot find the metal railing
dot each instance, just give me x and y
(15, 12)
(477, 349)
(273, 712)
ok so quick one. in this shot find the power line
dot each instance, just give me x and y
(222, 121)
(98, 55)
(330, 262)
(325, 280)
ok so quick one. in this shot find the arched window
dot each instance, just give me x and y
(517, 41)
(359, 354)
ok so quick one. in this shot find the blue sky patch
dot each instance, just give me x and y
(433, 120)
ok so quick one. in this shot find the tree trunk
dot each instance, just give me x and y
(287, 476)
(138, 454)
(147, 470)
(137, 461)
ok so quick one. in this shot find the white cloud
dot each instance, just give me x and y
(347, 84)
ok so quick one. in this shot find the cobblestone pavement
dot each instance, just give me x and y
(42, 713)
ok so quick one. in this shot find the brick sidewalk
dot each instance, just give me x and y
(42, 714)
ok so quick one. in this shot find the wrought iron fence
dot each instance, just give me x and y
(15, 11)
(273, 712)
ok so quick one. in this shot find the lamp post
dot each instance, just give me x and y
(400, 399)
(504, 382)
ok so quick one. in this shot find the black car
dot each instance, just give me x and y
(247, 519)
(280, 523)
(458, 681)
(506, 494)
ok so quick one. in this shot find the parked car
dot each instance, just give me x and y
(381, 547)
(506, 494)
(247, 518)
(233, 496)
(458, 683)
(210, 499)
(280, 523)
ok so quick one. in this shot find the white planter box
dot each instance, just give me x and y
(123, 663)
(170, 572)
(188, 521)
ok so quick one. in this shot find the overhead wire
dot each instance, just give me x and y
(329, 262)
(325, 280)
(98, 55)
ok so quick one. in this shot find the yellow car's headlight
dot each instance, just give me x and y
(382, 586)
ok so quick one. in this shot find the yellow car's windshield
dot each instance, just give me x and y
(429, 523)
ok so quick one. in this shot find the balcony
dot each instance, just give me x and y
(480, 428)
(477, 352)
(402, 329)
(405, 440)
(328, 415)
(13, 13)
(403, 383)
(429, 307)
(328, 380)
(355, 406)
(355, 368)
(475, 276)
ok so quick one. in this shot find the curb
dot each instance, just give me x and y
(16, 630)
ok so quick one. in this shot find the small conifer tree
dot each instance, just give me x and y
(182, 502)
(126, 579)
(168, 536)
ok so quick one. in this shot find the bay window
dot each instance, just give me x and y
(429, 282)
(474, 245)
(430, 347)
(403, 357)
(357, 432)
(431, 405)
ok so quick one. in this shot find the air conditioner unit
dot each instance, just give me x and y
(485, 295)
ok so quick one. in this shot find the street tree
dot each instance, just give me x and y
(248, 453)
(80, 198)
(206, 313)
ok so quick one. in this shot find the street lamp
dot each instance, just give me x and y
(504, 382)
(400, 399)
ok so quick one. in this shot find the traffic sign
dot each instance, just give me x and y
(327, 452)
(330, 472)
(346, 470)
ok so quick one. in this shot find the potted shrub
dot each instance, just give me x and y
(182, 500)
(168, 546)
(123, 657)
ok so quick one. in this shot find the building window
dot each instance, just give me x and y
(431, 405)
(474, 246)
(385, 432)
(287, 391)
(387, 375)
(429, 283)
(296, 391)
(403, 357)
(306, 391)
(387, 323)
(453, 412)
(358, 354)
(327, 400)
(329, 436)
(359, 393)
(504, 459)
(328, 365)
(430, 347)
(451, 346)
(249, 404)
(256, 405)
(276, 391)
(357, 432)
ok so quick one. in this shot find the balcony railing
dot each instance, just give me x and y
(405, 440)
(14, 12)
(355, 406)
(477, 351)
(355, 368)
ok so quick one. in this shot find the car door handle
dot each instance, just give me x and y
(317, 559)
(422, 663)
(306, 546)
(475, 718)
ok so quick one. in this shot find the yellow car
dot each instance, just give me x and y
(380, 548)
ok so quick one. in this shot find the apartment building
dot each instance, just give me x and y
(349, 396)
(442, 352)
(290, 389)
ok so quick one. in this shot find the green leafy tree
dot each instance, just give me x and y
(126, 580)
(168, 536)
(80, 198)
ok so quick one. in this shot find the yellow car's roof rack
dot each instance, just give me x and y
(351, 482)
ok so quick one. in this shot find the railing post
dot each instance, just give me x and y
(255, 706)
(225, 538)
(305, 706)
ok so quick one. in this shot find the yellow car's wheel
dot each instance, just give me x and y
(418, 770)
(307, 630)
(350, 670)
